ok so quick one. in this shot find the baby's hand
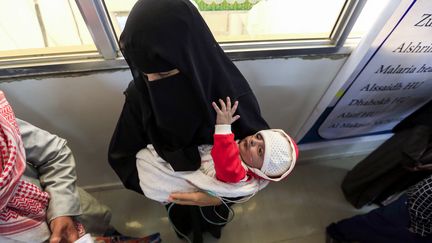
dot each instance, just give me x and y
(225, 115)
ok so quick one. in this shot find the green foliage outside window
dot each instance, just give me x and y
(218, 5)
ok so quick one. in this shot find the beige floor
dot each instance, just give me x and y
(295, 210)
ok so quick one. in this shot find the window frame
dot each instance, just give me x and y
(108, 56)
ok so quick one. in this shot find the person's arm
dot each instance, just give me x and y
(419, 205)
(128, 139)
(419, 167)
(201, 199)
(225, 152)
(226, 157)
(55, 164)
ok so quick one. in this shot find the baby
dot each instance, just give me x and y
(269, 154)
(227, 169)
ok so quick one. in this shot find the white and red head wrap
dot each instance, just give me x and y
(22, 204)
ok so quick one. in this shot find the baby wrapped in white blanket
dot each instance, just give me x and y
(158, 180)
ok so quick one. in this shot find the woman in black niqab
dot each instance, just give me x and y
(174, 114)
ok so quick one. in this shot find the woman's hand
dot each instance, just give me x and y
(63, 230)
(225, 114)
(194, 198)
(420, 167)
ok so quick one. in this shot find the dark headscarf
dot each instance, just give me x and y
(175, 113)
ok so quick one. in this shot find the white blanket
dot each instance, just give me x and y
(158, 179)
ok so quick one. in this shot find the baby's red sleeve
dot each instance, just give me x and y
(226, 158)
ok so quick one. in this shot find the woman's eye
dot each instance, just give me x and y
(259, 136)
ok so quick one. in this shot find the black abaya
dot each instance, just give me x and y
(174, 114)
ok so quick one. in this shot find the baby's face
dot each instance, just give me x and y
(252, 150)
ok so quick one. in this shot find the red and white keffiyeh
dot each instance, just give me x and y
(22, 204)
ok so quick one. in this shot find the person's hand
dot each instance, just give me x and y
(63, 230)
(194, 198)
(420, 167)
(225, 114)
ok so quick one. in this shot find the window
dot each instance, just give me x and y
(45, 34)
(241, 25)
(252, 20)
(118, 11)
(30, 28)
(268, 20)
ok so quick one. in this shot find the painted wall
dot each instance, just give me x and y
(84, 108)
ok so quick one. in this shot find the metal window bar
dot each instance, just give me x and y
(99, 25)
(347, 19)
